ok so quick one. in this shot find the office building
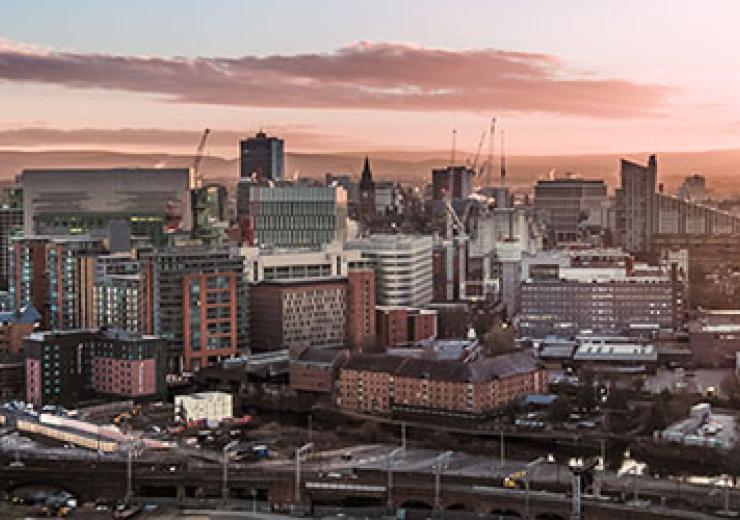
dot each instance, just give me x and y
(328, 262)
(298, 314)
(72, 367)
(567, 204)
(262, 157)
(454, 182)
(153, 201)
(11, 223)
(403, 268)
(176, 281)
(266, 264)
(291, 215)
(386, 196)
(609, 299)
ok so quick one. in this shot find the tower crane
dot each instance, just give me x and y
(197, 177)
(474, 166)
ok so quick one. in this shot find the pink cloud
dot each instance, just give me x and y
(360, 76)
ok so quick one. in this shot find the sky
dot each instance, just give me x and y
(561, 77)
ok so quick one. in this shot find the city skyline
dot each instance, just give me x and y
(566, 78)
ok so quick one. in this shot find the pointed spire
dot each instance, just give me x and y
(367, 174)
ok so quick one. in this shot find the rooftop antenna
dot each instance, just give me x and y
(452, 152)
(491, 137)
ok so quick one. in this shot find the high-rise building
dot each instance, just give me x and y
(644, 215)
(403, 268)
(458, 179)
(177, 280)
(74, 366)
(568, 203)
(263, 157)
(291, 215)
(83, 201)
(11, 222)
(118, 293)
(55, 274)
(635, 205)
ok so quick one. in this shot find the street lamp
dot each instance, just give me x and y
(389, 460)
(133, 446)
(727, 480)
(530, 467)
(440, 464)
(298, 454)
(225, 468)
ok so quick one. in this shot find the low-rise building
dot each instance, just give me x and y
(212, 407)
(12, 377)
(316, 369)
(399, 326)
(383, 383)
(604, 355)
(15, 325)
(75, 366)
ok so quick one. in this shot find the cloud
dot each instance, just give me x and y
(299, 137)
(363, 75)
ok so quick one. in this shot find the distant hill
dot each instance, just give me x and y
(721, 167)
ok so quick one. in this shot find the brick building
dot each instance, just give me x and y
(298, 314)
(382, 383)
(316, 369)
(401, 326)
(74, 366)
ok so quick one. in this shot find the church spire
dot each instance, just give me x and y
(367, 174)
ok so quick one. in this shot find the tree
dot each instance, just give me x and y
(499, 339)
(587, 389)
(560, 409)
(730, 386)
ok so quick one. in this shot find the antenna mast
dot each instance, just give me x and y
(452, 152)
(491, 137)
(503, 161)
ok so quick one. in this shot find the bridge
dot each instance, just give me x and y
(327, 480)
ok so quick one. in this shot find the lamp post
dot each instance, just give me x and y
(727, 480)
(225, 468)
(440, 464)
(133, 446)
(530, 467)
(298, 454)
(390, 460)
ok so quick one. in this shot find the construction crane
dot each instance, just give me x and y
(198, 179)
(474, 165)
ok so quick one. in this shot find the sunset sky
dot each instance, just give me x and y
(337, 75)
